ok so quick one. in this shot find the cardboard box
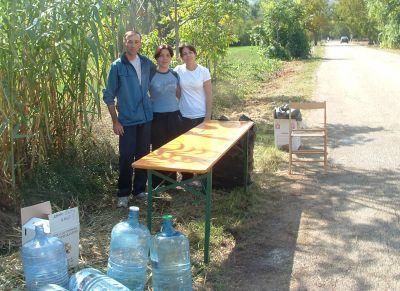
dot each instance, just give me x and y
(63, 224)
(281, 133)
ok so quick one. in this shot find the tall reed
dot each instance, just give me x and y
(54, 58)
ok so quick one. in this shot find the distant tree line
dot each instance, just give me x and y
(285, 28)
(375, 20)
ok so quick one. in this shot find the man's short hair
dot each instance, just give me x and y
(130, 32)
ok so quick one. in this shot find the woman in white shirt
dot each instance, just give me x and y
(195, 104)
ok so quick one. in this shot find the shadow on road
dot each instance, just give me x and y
(340, 135)
(318, 217)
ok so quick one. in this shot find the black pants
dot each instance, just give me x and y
(188, 124)
(165, 127)
(133, 145)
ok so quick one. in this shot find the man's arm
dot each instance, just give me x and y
(209, 98)
(117, 126)
(108, 97)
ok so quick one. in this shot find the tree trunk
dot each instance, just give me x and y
(176, 24)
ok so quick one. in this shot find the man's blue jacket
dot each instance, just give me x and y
(133, 100)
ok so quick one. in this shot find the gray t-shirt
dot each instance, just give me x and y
(163, 91)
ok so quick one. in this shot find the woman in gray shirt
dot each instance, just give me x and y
(164, 94)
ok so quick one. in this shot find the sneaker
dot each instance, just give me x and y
(140, 196)
(123, 202)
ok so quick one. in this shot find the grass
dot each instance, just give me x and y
(240, 76)
(87, 177)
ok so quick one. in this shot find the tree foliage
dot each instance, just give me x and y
(352, 19)
(317, 13)
(386, 14)
(283, 31)
(377, 20)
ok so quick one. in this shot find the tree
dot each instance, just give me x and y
(386, 13)
(207, 24)
(353, 20)
(317, 17)
(283, 33)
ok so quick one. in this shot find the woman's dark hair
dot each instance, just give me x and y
(163, 47)
(189, 46)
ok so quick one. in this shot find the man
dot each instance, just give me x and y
(128, 81)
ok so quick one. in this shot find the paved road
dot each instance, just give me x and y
(348, 235)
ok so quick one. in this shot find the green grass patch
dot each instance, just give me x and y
(240, 75)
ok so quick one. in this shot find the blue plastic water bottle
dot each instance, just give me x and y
(90, 279)
(129, 252)
(170, 259)
(44, 261)
(52, 287)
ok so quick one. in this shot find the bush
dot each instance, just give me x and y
(81, 176)
(283, 33)
(277, 51)
(299, 45)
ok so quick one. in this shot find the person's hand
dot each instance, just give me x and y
(118, 128)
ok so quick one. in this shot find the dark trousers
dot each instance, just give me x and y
(165, 127)
(188, 124)
(134, 144)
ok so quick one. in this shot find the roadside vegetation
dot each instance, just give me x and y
(87, 177)
(56, 142)
(54, 59)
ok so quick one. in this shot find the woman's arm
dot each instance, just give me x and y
(178, 92)
(209, 98)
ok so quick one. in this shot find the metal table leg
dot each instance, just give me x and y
(149, 198)
(246, 161)
(208, 216)
(206, 193)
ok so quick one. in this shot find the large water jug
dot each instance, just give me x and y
(52, 287)
(90, 279)
(129, 252)
(44, 261)
(170, 259)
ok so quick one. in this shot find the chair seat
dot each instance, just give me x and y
(308, 133)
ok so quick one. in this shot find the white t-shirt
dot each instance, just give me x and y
(193, 97)
(137, 65)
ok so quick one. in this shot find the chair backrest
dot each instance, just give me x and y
(307, 105)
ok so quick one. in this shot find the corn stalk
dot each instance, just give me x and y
(54, 57)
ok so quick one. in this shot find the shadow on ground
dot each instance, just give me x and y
(340, 135)
(306, 219)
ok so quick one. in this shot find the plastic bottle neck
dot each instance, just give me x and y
(167, 229)
(133, 216)
(40, 235)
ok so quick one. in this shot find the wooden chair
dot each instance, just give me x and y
(308, 132)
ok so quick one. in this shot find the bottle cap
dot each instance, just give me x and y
(133, 208)
(167, 217)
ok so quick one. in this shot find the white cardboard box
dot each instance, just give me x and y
(281, 133)
(63, 224)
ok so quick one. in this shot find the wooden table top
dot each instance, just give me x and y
(197, 150)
